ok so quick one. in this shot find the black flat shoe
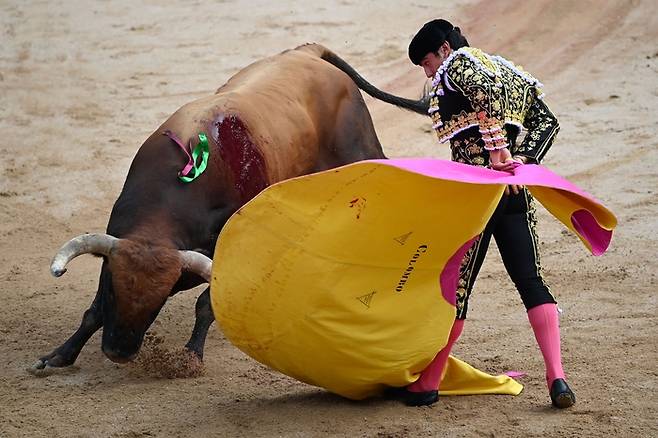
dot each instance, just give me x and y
(412, 398)
(561, 395)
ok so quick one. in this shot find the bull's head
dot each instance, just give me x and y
(136, 280)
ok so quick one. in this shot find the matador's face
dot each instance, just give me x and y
(433, 60)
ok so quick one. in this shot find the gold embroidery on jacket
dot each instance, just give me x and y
(500, 93)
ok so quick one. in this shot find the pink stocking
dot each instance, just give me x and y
(431, 376)
(545, 324)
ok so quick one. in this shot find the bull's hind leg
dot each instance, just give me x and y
(204, 318)
(68, 352)
(354, 134)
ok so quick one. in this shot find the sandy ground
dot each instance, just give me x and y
(82, 84)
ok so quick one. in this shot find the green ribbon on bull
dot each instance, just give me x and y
(201, 149)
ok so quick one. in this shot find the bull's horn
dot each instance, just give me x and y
(196, 262)
(84, 244)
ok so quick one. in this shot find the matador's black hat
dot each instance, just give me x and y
(428, 39)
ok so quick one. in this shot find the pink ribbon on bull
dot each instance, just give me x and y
(200, 149)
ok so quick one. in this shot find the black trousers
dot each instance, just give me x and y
(513, 225)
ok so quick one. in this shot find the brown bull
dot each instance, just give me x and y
(282, 117)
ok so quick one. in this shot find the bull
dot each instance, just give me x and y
(295, 113)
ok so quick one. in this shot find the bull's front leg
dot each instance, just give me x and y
(68, 352)
(204, 318)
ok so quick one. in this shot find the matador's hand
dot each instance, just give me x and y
(515, 188)
(509, 166)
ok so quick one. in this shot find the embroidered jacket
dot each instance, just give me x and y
(480, 102)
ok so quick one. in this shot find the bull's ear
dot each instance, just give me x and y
(98, 244)
(196, 262)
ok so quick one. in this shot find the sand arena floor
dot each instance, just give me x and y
(82, 84)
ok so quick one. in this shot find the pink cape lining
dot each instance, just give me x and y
(529, 174)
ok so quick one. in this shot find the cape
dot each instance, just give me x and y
(346, 279)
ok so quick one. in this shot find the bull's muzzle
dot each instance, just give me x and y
(118, 355)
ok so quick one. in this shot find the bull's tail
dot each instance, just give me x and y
(418, 106)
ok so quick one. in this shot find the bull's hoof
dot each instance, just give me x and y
(52, 364)
(43, 368)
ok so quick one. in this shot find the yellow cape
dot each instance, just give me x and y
(335, 278)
